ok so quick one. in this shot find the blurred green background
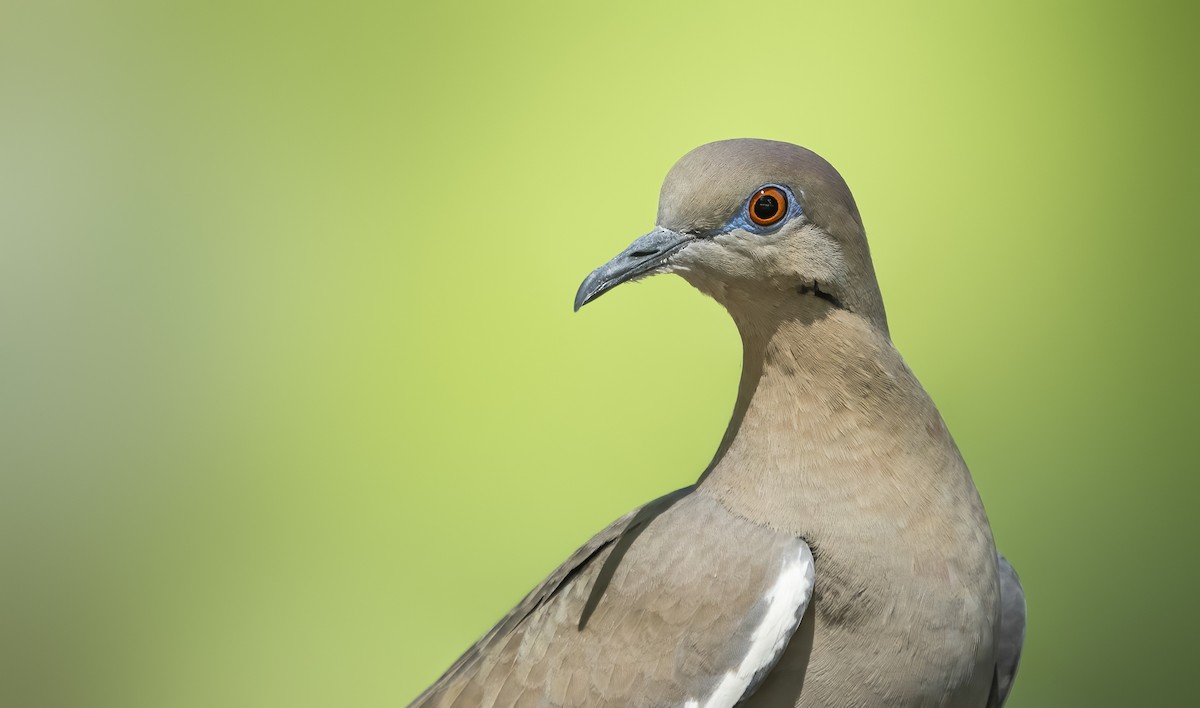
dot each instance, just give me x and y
(293, 405)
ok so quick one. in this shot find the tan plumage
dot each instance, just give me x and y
(833, 446)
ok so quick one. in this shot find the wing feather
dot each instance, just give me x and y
(678, 603)
(1011, 633)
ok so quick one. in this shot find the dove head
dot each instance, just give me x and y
(762, 227)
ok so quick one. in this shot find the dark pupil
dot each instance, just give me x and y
(766, 207)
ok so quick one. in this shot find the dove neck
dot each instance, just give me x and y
(826, 409)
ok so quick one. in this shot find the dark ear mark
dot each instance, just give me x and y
(815, 289)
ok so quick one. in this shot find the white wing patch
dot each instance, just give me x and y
(786, 602)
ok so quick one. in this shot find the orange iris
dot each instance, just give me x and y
(768, 206)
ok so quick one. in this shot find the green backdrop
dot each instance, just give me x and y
(293, 405)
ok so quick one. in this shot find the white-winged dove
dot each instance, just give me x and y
(834, 553)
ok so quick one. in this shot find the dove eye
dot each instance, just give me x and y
(767, 206)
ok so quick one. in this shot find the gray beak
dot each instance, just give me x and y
(643, 256)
